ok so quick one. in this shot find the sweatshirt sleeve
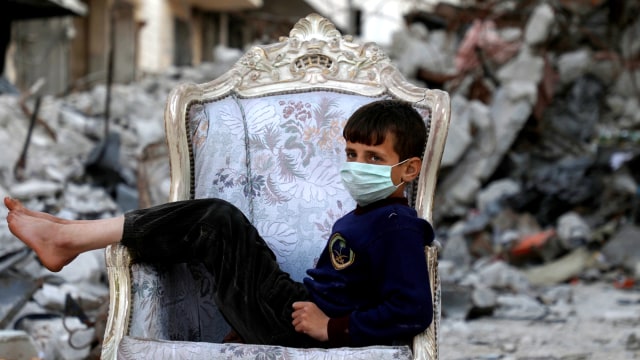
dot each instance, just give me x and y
(338, 331)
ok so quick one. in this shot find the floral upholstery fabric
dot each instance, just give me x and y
(139, 349)
(175, 303)
(277, 158)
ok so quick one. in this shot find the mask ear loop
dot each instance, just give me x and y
(401, 180)
(400, 163)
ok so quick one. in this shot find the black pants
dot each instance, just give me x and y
(252, 293)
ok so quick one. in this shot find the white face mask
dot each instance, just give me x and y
(368, 183)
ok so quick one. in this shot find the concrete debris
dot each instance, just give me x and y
(15, 344)
(562, 269)
(539, 188)
(540, 25)
(76, 171)
(16, 292)
(519, 307)
(537, 206)
(573, 231)
(622, 250)
(499, 275)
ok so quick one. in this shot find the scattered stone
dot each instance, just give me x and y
(456, 301)
(499, 275)
(497, 191)
(519, 307)
(632, 343)
(562, 269)
(16, 344)
(484, 300)
(456, 250)
(573, 231)
(622, 249)
(35, 188)
(14, 293)
(540, 25)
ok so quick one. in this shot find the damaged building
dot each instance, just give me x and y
(76, 44)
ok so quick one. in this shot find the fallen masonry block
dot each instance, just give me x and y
(16, 344)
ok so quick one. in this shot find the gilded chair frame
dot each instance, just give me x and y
(314, 56)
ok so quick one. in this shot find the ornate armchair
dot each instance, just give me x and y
(266, 136)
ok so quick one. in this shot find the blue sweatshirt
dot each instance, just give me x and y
(371, 279)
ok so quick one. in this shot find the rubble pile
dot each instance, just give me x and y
(539, 188)
(73, 170)
(540, 181)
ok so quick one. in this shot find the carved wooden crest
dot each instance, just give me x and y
(315, 53)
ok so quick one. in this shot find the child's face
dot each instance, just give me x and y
(382, 154)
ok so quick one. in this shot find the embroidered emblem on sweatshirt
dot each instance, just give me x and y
(341, 255)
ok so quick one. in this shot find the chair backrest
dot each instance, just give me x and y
(267, 136)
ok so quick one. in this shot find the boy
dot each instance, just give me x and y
(370, 285)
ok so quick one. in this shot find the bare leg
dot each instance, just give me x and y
(58, 241)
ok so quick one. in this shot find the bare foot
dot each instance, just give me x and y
(58, 241)
(43, 236)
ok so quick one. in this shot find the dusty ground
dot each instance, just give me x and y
(601, 322)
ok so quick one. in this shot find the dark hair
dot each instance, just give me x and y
(371, 123)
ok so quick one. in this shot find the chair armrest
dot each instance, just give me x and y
(425, 345)
(118, 263)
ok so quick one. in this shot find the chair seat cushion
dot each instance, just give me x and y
(138, 348)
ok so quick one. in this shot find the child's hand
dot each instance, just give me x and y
(309, 319)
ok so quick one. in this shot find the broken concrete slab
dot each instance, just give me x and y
(574, 64)
(88, 201)
(88, 267)
(9, 259)
(562, 269)
(14, 293)
(35, 188)
(573, 231)
(456, 250)
(526, 67)
(540, 25)
(459, 136)
(496, 191)
(17, 344)
(484, 300)
(60, 338)
(622, 249)
(519, 307)
(456, 301)
(500, 275)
